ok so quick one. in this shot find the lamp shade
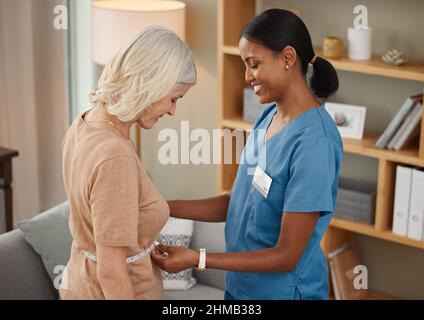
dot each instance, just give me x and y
(115, 22)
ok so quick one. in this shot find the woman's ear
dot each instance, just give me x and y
(288, 57)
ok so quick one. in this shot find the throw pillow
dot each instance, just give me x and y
(177, 232)
(48, 233)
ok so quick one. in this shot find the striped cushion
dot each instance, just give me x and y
(177, 232)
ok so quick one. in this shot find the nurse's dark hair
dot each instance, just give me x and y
(277, 28)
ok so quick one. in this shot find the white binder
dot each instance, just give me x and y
(402, 199)
(416, 206)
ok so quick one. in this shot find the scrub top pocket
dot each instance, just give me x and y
(268, 213)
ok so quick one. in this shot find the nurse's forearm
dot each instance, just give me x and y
(295, 234)
(266, 260)
(208, 210)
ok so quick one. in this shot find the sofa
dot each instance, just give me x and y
(23, 273)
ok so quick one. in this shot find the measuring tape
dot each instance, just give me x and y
(128, 260)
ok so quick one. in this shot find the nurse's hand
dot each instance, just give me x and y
(174, 259)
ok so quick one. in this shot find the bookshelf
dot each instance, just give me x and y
(414, 70)
(232, 16)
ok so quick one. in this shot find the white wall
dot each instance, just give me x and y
(199, 106)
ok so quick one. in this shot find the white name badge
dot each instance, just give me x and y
(262, 181)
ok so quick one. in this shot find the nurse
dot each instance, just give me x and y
(281, 203)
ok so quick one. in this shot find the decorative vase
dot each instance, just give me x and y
(359, 43)
(332, 47)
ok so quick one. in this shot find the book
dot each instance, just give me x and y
(402, 199)
(416, 206)
(406, 123)
(410, 129)
(397, 120)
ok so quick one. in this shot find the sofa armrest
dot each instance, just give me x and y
(22, 273)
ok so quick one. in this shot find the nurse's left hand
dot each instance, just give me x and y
(174, 259)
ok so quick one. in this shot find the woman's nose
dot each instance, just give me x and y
(171, 111)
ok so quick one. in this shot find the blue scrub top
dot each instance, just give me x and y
(303, 159)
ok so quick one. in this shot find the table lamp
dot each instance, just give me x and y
(114, 22)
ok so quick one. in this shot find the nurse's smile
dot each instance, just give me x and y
(257, 88)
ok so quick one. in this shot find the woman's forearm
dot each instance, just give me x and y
(208, 210)
(252, 261)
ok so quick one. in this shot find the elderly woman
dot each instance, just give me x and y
(116, 212)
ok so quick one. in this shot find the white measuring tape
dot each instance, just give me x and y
(129, 260)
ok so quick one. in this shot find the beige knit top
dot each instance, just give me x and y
(112, 202)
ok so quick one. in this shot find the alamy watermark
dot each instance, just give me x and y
(60, 20)
(360, 281)
(59, 281)
(361, 19)
(200, 147)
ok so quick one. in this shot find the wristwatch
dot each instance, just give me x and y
(202, 260)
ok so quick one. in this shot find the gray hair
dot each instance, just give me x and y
(144, 71)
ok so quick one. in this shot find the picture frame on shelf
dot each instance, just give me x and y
(349, 119)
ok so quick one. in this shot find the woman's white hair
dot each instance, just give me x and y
(144, 71)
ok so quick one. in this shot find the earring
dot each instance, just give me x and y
(286, 67)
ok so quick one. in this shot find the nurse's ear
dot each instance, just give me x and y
(287, 58)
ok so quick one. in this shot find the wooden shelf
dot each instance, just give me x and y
(224, 191)
(365, 147)
(231, 50)
(236, 123)
(413, 70)
(369, 230)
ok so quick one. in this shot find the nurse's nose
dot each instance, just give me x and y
(248, 76)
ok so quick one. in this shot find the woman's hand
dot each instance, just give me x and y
(174, 259)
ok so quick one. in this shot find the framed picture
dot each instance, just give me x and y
(350, 120)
